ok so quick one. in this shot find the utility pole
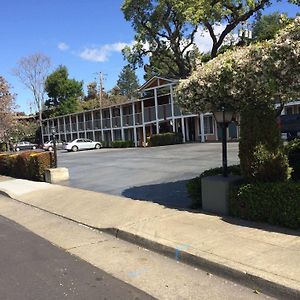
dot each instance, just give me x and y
(101, 86)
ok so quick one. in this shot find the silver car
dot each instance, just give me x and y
(82, 144)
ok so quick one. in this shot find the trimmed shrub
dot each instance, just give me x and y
(276, 203)
(4, 164)
(269, 166)
(194, 185)
(122, 144)
(22, 165)
(3, 147)
(293, 152)
(169, 138)
(38, 163)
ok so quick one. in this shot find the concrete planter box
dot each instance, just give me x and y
(56, 175)
(215, 193)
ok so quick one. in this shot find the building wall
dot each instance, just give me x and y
(154, 112)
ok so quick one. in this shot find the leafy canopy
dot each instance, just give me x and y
(128, 82)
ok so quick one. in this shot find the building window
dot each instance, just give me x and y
(208, 125)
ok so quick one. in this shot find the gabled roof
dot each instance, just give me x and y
(156, 81)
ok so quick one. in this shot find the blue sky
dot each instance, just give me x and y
(85, 35)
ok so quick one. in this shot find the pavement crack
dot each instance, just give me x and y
(87, 244)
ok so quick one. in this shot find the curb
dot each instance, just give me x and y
(246, 279)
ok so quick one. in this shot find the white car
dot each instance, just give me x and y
(82, 144)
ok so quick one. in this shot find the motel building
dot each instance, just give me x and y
(154, 112)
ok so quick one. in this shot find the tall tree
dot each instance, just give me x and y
(128, 82)
(32, 72)
(63, 93)
(7, 105)
(161, 31)
(267, 26)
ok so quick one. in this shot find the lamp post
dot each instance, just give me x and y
(223, 118)
(53, 131)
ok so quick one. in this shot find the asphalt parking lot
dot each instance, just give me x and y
(153, 174)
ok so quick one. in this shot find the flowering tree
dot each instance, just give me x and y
(249, 80)
(7, 105)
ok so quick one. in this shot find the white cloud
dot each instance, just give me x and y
(102, 53)
(204, 41)
(63, 46)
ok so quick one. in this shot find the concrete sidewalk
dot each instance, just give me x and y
(259, 256)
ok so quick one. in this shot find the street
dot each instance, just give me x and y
(157, 174)
(32, 268)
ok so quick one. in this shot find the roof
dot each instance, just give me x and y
(156, 81)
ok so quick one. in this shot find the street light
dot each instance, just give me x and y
(53, 131)
(223, 118)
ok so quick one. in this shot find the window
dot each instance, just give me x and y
(208, 125)
(289, 110)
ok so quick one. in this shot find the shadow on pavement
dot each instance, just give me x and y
(261, 226)
(170, 194)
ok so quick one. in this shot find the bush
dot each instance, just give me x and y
(269, 166)
(3, 147)
(122, 144)
(293, 152)
(169, 138)
(194, 185)
(276, 203)
(27, 165)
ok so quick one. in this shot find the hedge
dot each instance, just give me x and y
(122, 144)
(293, 152)
(277, 203)
(26, 165)
(169, 138)
(194, 185)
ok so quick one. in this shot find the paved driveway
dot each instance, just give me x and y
(155, 174)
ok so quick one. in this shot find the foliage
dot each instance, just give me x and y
(63, 93)
(24, 130)
(128, 82)
(3, 147)
(267, 26)
(162, 139)
(163, 35)
(194, 185)
(260, 144)
(7, 104)
(92, 92)
(265, 73)
(276, 203)
(28, 165)
(122, 144)
(293, 152)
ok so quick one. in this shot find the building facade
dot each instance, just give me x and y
(154, 112)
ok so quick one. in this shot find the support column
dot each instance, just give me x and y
(183, 130)
(71, 129)
(77, 126)
(134, 125)
(121, 122)
(111, 125)
(156, 110)
(93, 132)
(65, 129)
(101, 125)
(84, 125)
(144, 128)
(202, 133)
(58, 129)
(187, 130)
(172, 108)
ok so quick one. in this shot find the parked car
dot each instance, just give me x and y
(82, 144)
(25, 146)
(48, 146)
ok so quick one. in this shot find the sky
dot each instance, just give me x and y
(86, 36)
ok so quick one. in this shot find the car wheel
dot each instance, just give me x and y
(17, 149)
(98, 146)
(34, 147)
(74, 148)
(50, 148)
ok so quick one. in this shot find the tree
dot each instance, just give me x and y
(249, 80)
(7, 105)
(63, 93)
(161, 31)
(267, 26)
(128, 82)
(92, 92)
(32, 72)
